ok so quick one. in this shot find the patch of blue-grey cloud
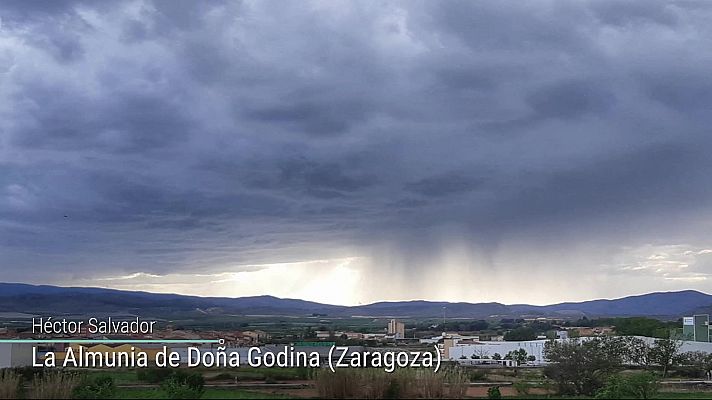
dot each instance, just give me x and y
(150, 137)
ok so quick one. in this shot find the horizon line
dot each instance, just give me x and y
(356, 305)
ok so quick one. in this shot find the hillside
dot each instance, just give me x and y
(68, 300)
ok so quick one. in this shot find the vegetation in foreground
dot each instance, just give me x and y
(403, 383)
(592, 368)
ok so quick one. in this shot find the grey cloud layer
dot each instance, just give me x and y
(200, 136)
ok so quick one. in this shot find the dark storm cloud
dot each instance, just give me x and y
(124, 122)
(314, 118)
(319, 176)
(64, 46)
(151, 136)
(23, 10)
(651, 179)
(624, 13)
(444, 185)
(570, 99)
(543, 25)
(685, 92)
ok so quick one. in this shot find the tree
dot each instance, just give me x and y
(697, 363)
(643, 385)
(639, 352)
(520, 334)
(665, 353)
(519, 355)
(494, 393)
(309, 333)
(695, 358)
(641, 326)
(481, 352)
(531, 358)
(541, 326)
(496, 356)
(615, 347)
(582, 367)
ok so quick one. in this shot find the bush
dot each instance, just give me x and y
(343, 384)
(687, 372)
(643, 385)
(520, 334)
(494, 393)
(182, 385)
(378, 384)
(53, 385)
(153, 375)
(28, 373)
(224, 376)
(100, 387)
(522, 387)
(9, 384)
(304, 373)
(582, 368)
(477, 375)
(393, 391)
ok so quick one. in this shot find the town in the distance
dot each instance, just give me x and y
(523, 352)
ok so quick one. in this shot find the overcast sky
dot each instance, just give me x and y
(350, 152)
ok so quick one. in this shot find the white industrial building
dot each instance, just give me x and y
(488, 349)
(536, 348)
(15, 355)
(687, 345)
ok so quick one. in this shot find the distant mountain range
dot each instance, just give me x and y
(53, 300)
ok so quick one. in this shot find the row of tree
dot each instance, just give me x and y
(583, 367)
(631, 326)
(520, 356)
